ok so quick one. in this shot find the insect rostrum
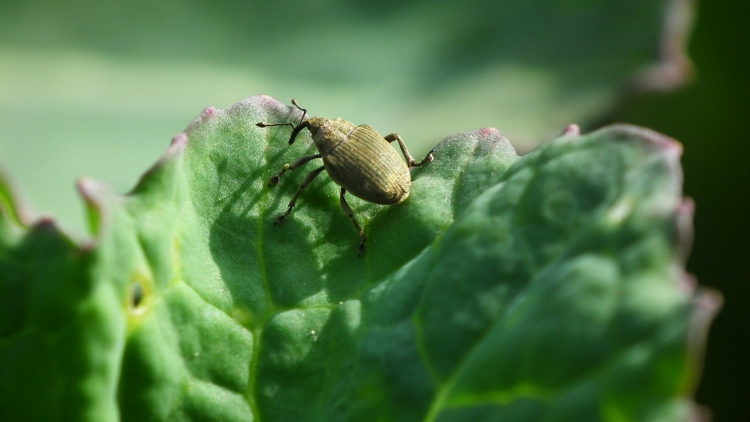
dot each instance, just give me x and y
(357, 158)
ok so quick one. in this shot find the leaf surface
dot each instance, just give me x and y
(548, 286)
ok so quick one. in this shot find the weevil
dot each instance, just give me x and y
(357, 158)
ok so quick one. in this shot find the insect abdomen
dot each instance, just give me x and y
(368, 167)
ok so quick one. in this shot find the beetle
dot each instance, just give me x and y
(357, 158)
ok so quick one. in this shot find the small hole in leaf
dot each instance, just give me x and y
(136, 295)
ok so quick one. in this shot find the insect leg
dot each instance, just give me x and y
(313, 174)
(350, 213)
(304, 110)
(287, 167)
(409, 159)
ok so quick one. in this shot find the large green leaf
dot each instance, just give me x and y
(549, 286)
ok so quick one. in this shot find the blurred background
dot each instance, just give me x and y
(99, 88)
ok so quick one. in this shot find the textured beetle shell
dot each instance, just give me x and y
(361, 161)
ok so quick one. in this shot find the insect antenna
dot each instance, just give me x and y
(296, 104)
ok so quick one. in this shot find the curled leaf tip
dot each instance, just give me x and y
(571, 130)
(208, 112)
(673, 68)
(653, 137)
(45, 222)
(12, 198)
(684, 215)
(706, 304)
(489, 131)
(90, 189)
(176, 147)
(179, 141)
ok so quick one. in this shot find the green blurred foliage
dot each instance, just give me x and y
(97, 88)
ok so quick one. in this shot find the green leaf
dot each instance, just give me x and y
(505, 288)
